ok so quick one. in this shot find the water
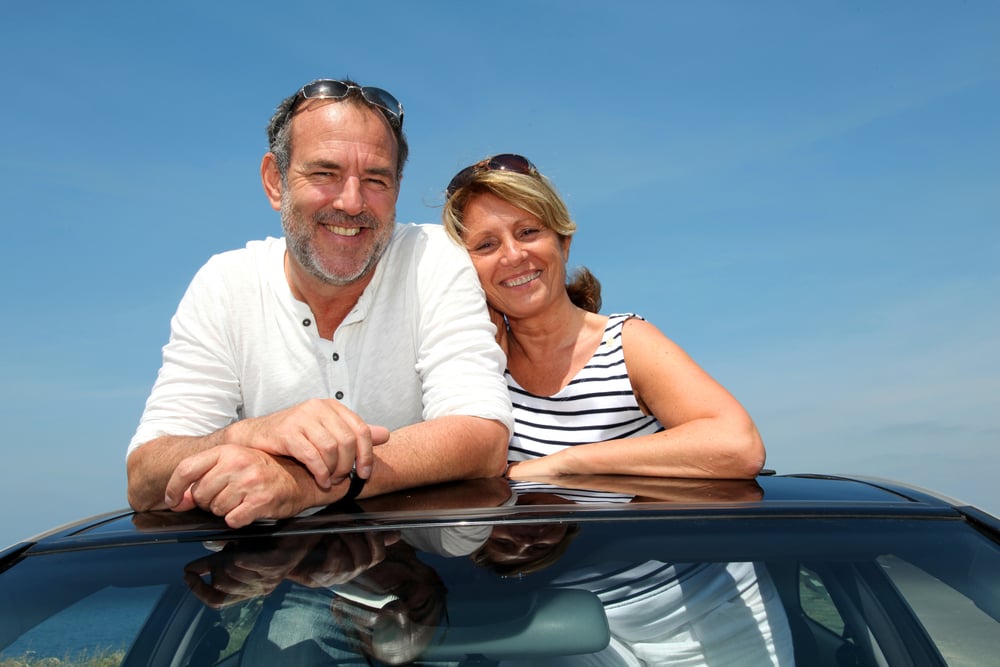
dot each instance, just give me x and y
(109, 619)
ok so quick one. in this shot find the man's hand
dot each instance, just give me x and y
(327, 438)
(239, 483)
(242, 571)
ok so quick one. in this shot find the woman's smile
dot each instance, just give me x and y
(523, 279)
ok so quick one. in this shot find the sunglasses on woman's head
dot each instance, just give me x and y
(331, 89)
(503, 162)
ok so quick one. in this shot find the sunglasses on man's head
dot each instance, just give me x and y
(331, 89)
(504, 162)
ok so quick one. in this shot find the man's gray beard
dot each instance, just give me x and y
(298, 243)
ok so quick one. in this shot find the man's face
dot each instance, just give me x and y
(338, 201)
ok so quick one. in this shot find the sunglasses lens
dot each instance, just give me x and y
(338, 90)
(461, 180)
(503, 162)
(325, 88)
(384, 99)
(510, 162)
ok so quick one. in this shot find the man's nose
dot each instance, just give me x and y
(351, 199)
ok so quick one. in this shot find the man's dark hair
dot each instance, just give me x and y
(279, 139)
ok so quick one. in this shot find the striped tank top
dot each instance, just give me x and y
(598, 404)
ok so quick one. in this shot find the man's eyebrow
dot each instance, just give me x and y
(322, 164)
(382, 171)
(331, 165)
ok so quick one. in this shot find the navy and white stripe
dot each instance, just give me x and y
(597, 405)
(577, 496)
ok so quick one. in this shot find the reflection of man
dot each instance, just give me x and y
(353, 349)
(342, 594)
(326, 596)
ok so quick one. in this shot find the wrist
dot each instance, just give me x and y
(356, 484)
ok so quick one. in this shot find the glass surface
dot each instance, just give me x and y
(740, 591)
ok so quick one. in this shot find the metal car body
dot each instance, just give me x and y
(785, 569)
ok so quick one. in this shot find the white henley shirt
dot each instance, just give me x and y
(418, 344)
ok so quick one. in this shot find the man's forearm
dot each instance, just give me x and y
(439, 450)
(151, 464)
(444, 449)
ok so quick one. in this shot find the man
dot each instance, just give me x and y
(353, 356)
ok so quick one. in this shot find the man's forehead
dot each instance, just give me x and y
(340, 116)
(340, 125)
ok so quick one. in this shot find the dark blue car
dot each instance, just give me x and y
(786, 569)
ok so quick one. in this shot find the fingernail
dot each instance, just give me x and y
(365, 471)
(168, 500)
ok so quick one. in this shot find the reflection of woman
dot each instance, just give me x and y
(519, 549)
(659, 613)
(583, 383)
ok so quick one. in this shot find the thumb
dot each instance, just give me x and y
(380, 435)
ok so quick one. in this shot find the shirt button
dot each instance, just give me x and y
(339, 395)
(306, 322)
(336, 357)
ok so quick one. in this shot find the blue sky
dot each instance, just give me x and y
(804, 195)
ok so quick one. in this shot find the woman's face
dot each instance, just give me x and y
(521, 263)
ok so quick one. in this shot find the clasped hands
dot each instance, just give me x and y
(246, 570)
(277, 465)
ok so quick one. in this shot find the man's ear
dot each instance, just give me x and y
(270, 177)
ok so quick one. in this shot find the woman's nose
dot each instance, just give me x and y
(512, 252)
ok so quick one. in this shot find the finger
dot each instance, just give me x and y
(186, 503)
(367, 550)
(364, 457)
(217, 491)
(380, 435)
(187, 472)
(240, 516)
(351, 439)
(208, 593)
(336, 437)
(310, 448)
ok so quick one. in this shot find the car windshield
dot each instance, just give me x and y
(618, 586)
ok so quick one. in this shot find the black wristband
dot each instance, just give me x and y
(356, 486)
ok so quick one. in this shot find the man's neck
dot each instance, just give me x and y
(330, 304)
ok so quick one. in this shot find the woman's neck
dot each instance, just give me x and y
(546, 351)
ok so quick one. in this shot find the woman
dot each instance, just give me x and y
(583, 383)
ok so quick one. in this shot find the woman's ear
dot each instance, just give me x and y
(270, 177)
(566, 241)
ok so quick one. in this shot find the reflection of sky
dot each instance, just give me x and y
(108, 620)
(804, 198)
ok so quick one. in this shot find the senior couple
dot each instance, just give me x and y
(356, 356)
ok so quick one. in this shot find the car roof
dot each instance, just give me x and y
(590, 498)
